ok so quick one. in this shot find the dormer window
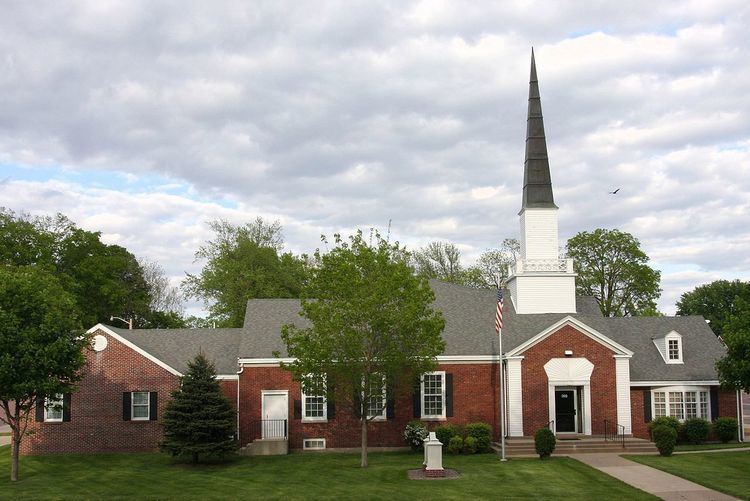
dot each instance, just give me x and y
(674, 349)
(670, 347)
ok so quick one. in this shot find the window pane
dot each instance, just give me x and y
(53, 409)
(376, 404)
(675, 405)
(314, 407)
(432, 401)
(704, 404)
(660, 405)
(674, 350)
(691, 405)
(140, 398)
(140, 411)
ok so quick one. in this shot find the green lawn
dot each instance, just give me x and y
(303, 476)
(708, 447)
(728, 472)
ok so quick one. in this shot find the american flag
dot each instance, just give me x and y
(499, 312)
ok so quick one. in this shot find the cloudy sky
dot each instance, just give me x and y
(144, 120)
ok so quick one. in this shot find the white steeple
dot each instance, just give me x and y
(539, 282)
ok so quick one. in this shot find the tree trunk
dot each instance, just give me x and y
(14, 462)
(364, 442)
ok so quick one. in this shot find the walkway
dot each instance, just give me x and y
(651, 480)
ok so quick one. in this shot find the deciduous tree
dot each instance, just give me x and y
(41, 345)
(734, 367)
(613, 269)
(242, 263)
(491, 269)
(373, 332)
(716, 302)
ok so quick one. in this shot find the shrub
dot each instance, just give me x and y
(726, 429)
(665, 438)
(455, 445)
(544, 442)
(695, 430)
(665, 421)
(470, 445)
(445, 432)
(414, 435)
(482, 432)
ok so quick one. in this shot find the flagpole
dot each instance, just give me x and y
(499, 326)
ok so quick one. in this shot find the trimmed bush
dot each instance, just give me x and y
(544, 442)
(695, 430)
(414, 435)
(456, 445)
(665, 438)
(726, 429)
(470, 445)
(445, 432)
(664, 421)
(482, 433)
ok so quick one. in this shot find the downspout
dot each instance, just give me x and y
(740, 423)
(242, 368)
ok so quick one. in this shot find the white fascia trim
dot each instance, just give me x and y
(622, 356)
(706, 382)
(585, 329)
(134, 347)
(227, 377)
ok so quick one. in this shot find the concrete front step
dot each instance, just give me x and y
(266, 447)
(520, 447)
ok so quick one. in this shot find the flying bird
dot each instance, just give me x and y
(614, 192)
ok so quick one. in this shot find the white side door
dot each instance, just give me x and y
(275, 414)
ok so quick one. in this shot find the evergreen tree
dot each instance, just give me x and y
(199, 420)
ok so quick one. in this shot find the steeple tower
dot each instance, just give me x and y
(539, 282)
(537, 183)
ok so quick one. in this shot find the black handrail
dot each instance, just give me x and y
(617, 433)
(269, 429)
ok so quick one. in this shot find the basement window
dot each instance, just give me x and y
(314, 444)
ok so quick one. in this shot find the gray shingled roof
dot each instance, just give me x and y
(469, 330)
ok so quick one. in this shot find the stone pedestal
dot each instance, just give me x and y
(433, 457)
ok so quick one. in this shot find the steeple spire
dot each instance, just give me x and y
(537, 184)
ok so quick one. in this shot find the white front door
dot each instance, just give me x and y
(275, 414)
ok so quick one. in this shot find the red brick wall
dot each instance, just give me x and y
(638, 421)
(535, 383)
(96, 423)
(475, 393)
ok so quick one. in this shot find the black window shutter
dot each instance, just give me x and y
(66, 407)
(390, 408)
(357, 402)
(330, 409)
(153, 405)
(126, 406)
(40, 410)
(417, 400)
(449, 395)
(298, 409)
(714, 403)
(647, 405)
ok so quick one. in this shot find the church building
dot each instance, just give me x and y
(565, 366)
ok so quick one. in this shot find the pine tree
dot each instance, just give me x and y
(199, 420)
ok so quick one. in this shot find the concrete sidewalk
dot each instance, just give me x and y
(656, 482)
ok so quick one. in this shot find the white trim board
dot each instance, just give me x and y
(440, 359)
(579, 326)
(227, 377)
(705, 382)
(134, 347)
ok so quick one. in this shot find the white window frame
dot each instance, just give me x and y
(317, 419)
(383, 412)
(423, 395)
(305, 447)
(133, 405)
(54, 405)
(682, 389)
(673, 336)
